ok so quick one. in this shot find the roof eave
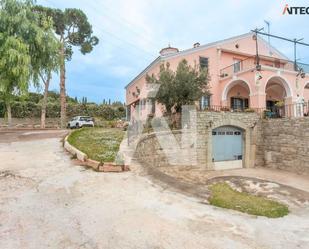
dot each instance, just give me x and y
(154, 62)
(190, 50)
(196, 49)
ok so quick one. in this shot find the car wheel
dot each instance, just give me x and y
(69, 126)
(77, 126)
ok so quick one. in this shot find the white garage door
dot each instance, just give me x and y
(227, 147)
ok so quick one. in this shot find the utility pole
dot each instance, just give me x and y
(294, 41)
(295, 55)
(256, 31)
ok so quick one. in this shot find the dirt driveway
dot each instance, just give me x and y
(48, 202)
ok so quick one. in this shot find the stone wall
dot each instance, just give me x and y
(150, 152)
(207, 121)
(284, 144)
(195, 148)
(30, 123)
(274, 143)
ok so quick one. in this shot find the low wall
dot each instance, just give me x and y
(30, 123)
(149, 149)
(284, 144)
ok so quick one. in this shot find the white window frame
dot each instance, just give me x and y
(205, 102)
(237, 67)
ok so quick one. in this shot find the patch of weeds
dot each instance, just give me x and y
(222, 195)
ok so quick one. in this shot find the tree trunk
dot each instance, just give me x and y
(62, 88)
(44, 103)
(9, 113)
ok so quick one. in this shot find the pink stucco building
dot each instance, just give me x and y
(237, 81)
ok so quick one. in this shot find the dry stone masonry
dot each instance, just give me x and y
(284, 144)
(274, 143)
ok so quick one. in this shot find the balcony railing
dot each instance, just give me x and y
(288, 111)
(285, 111)
(251, 63)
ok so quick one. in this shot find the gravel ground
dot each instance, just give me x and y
(46, 201)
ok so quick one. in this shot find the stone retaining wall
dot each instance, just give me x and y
(274, 143)
(30, 123)
(149, 151)
(207, 121)
(284, 144)
(196, 152)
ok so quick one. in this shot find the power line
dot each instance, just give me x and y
(122, 40)
(294, 41)
(117, 37)
(111, 34)
(282, 38)
(128, 25)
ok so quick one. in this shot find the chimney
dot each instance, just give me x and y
(197, 44)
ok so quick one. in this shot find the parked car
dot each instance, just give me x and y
(80, 121)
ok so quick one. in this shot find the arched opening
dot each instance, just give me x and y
(236, 95)
(277, 90)
(227, 147)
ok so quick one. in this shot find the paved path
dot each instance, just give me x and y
(48, 202)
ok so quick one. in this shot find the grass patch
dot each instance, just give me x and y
(101, 144)
(222, 195)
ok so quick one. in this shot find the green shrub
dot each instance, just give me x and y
(29, 106)
(25, 109)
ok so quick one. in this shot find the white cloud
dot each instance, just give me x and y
(132, 32)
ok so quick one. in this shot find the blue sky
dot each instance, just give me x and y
(132, 32)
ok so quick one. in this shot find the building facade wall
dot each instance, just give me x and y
(221, 55)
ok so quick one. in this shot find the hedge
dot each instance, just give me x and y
(28, 109)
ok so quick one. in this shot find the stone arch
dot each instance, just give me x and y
(281, 81)
(233, 83)
(229, 122)
(247, 160)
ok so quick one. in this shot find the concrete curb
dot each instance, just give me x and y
(96, 165)
(81, 156)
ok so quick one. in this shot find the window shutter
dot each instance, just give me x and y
(203, 62)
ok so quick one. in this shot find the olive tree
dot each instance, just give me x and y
(181, 87)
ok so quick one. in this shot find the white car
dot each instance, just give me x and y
(80, 121)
